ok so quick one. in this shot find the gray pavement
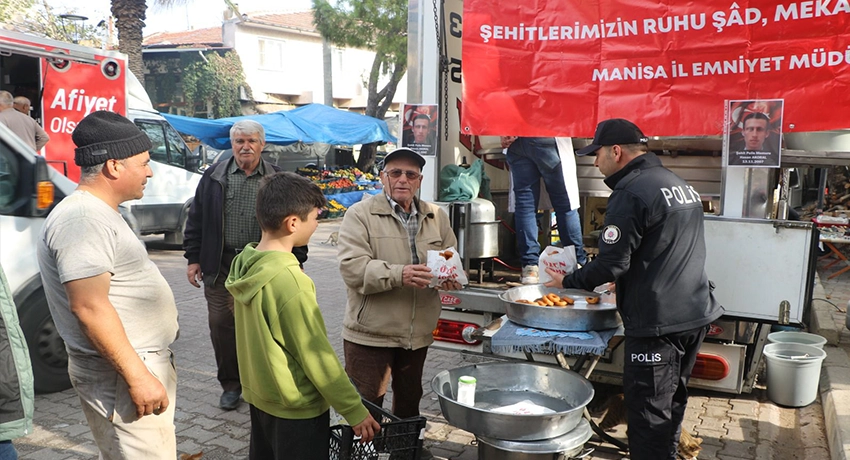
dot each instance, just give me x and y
(732, 426)
(829, 306)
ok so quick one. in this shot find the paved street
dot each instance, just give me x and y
(732, 428)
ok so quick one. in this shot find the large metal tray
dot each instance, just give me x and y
(565, 446)
(579, 317)
(503, 384)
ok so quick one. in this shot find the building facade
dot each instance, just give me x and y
(285, 61)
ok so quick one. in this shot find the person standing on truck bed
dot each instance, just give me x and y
(110, 303)
(391, 311)
(22, 125)
(652, 245)
(221, 221)
(531, 159)
(23, 105)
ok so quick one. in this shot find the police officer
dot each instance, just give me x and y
(652, 246)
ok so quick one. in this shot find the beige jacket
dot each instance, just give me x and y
(373, 249)
(24, 127)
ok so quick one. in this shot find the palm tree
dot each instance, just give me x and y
(129, 20)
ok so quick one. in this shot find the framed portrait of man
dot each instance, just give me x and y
(753, 133)
(419, 128)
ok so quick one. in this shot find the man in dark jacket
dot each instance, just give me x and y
(653, 247)
(221, 221)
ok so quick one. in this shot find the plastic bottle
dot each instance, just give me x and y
(466, 390)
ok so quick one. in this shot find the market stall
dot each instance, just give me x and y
(342, 187)
(309, 124)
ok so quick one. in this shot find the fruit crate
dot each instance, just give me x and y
(398, 439)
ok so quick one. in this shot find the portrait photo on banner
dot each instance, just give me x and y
(753, 133)
(419, 128)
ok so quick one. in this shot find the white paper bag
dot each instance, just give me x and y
(560, 260)
(446, 265)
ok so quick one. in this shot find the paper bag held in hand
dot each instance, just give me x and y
(560, 260)
(445, 265)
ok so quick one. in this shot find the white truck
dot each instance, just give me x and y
(763, 265)
(65, 82)
(176, 174)
(28, 190)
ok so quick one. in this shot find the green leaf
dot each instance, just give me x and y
(377, 25)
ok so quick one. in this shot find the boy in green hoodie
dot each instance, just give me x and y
(290, 373)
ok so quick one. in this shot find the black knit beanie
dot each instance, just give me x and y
(104, 135)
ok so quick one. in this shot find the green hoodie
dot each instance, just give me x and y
(287, 366)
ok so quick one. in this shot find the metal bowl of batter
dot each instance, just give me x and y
(563, 392)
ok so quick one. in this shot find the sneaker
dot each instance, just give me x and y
(529, 275)
(230, 400)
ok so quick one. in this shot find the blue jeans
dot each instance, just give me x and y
(7, 451)
(530, 159)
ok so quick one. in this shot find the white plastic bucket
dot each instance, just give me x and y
(793, 373)
(804, 338)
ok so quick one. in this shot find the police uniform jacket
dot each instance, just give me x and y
(653, 246)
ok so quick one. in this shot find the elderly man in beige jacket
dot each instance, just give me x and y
(391, 312)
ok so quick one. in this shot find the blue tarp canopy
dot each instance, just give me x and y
(308, 124)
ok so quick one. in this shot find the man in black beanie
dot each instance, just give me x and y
(109, 301)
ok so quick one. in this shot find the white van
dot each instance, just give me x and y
(176, 173)
(28, 65)
(39, 67)
(28, 190)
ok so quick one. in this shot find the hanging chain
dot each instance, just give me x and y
(437, 23)
(439, 28)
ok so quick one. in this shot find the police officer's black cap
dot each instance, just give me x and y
(404, 152)
(614, 131)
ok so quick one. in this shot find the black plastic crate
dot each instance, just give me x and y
(398, 440)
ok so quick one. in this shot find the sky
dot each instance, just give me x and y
(195, 14)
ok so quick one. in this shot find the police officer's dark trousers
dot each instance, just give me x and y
(655, 378)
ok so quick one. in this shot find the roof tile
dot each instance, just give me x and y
(302, 20)
(207, 36)
(299, 20)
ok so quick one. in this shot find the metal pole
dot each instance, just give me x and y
(822, 189)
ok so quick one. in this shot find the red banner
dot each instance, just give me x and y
(558, 67)
(71, 91)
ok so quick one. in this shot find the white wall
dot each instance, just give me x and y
(302, 67)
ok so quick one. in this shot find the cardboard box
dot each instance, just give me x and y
(593, 213)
